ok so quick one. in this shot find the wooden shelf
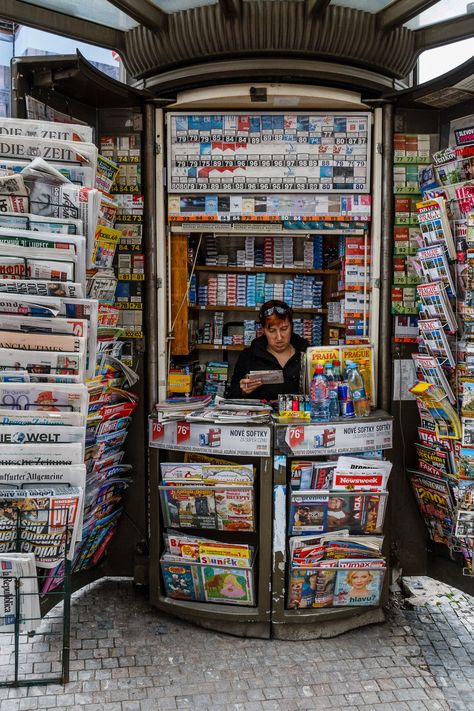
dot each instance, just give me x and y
(216, 347)
(272, 229)
(350, 290)
(255, 308)
(336, 325)
(266, 270)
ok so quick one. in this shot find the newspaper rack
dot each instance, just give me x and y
(22, 606)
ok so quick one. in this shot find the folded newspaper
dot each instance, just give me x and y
(19, 568)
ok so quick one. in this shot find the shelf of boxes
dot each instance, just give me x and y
(412, 153)
(265, 270)
(255, 308)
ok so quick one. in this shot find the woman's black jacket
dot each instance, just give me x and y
(256, 357)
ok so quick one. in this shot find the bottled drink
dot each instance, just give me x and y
(332, 391)
(345, 374)
(356, 386)
(336, 369)
(319, 396)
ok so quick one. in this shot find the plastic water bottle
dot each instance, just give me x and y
(357, 388)
(345, 373)
(332, 391)
(319, 394)
(336, 369)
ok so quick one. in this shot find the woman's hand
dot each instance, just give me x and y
(248, 385)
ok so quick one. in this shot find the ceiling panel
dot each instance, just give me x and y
(367, 5)
(441, 11)
(99, 11)
(171, 6)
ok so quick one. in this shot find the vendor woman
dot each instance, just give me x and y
(278, 349)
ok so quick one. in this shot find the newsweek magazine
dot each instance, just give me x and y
(46, 519)
(21, 568)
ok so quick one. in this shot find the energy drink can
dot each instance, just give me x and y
(347, 408)
(343, 391)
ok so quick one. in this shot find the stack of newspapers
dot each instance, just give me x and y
(65, 407)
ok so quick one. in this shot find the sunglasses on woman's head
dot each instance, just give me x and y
(275, 309)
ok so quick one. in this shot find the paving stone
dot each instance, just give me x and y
(126, 657)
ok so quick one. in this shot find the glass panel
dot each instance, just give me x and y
(443, 10)
(435, 62)
(100, 11)
(367, 5)
(177, 5)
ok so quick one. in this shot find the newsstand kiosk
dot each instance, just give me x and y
(236, 169)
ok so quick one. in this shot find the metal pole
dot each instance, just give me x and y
(151, 284)
(385, 349)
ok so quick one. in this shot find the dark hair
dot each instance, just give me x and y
(275, 308)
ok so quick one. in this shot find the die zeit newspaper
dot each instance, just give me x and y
(44, 520)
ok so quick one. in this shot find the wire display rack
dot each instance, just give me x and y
(34, 646)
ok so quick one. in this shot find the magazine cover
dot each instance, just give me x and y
(189, 507)
(312, 587)
(358, 586)
(358, 512)
(308, 512)
(433, 461)
(228, 585)
(435, 503)
(235, 508)
(181, 580)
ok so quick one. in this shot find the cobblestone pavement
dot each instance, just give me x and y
(127, 657)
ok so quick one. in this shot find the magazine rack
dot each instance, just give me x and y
(242, 444)
(22, 606)
(312, 441)
(271, 614)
